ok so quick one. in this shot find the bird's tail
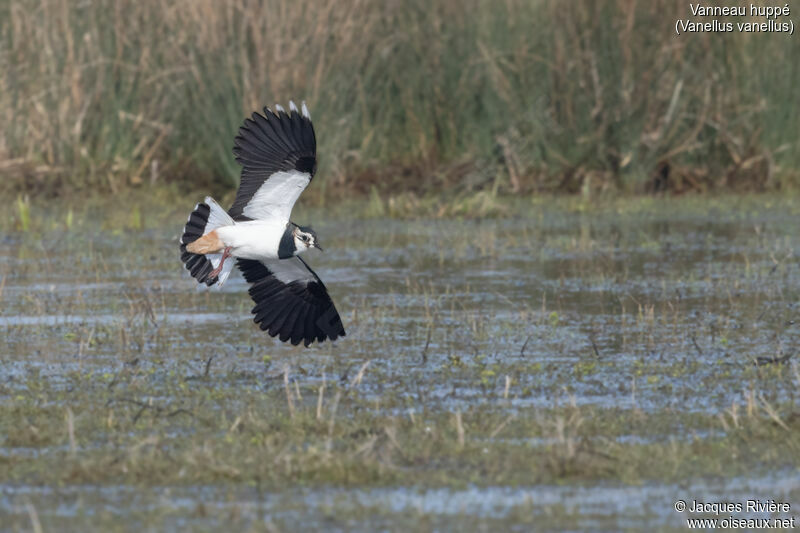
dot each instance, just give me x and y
(206, 217)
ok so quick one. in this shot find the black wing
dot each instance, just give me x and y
(291, 301)
(278, 153)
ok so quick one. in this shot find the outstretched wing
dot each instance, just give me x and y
(291, 301)
(278, 153)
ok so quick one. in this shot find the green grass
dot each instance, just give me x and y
(407, 97)
(108, 429)
(147, 430)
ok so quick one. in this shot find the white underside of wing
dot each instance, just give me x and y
(276, 197)
(289, 270)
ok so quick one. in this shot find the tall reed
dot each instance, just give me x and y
(416, 95)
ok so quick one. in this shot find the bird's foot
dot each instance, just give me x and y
(225, 254)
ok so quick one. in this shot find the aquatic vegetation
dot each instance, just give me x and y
(500, 372)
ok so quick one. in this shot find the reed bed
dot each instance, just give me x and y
(517, 96)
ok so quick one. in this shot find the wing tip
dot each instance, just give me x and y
(279, 110)
(270, 138)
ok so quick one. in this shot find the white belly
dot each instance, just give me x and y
(255, 239)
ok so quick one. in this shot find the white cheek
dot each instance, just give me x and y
(300, 245)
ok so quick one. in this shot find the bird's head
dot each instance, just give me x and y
(305, 238)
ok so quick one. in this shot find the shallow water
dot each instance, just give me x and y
(654, 310)
(595, 508)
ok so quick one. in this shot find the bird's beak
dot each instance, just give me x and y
(318, 247)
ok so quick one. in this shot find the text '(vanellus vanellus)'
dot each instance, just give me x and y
(278, 153)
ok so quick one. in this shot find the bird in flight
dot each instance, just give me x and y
(278, 154)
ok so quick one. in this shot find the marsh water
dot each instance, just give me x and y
(506, 337)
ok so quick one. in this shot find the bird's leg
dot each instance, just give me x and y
(226, 253)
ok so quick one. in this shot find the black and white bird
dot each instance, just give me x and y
(278, 153)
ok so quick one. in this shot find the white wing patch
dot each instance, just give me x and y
(276, 197)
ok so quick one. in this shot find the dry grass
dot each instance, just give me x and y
(411, 96)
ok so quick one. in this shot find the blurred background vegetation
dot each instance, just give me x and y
(408, 97)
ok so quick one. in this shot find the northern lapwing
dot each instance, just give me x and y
(278, 154)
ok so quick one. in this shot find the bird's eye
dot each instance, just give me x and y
(305, 238)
